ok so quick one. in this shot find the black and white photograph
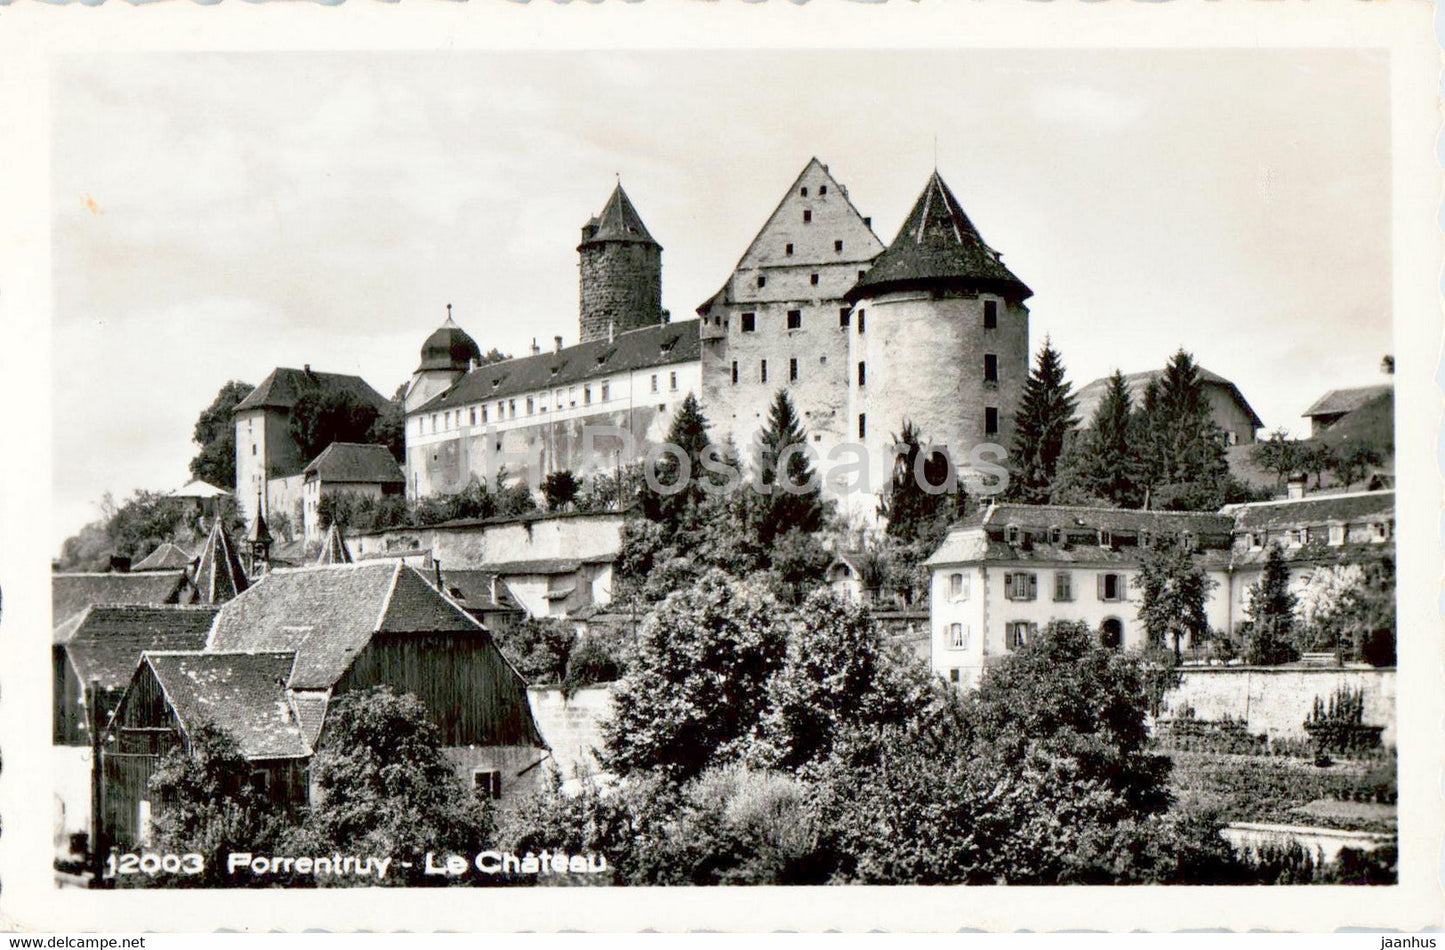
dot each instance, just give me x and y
(709, 468)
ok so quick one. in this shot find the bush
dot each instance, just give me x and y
(539, 649)
(590, 662)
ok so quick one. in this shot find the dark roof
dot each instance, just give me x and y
(938, 244)
(660, 345)
(284, 386)
(1352, 508)
(1087, 399)
(166, 557)
(1340, 401)
(244, 693)
(106, 643)
(548, 565)
(354, 462)
(473, 589)
(72, 593)
(333, 548)
(619, 221)
(327, 615)
(1372, 424)
(449, 347)
(219, 574)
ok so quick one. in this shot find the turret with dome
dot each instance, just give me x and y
(446, 356)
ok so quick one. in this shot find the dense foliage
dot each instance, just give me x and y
(215, 433)
(1271, 605)
(1042, 428)
(1173, 592)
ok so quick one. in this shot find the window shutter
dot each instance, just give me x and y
(1099, 580)
(1033, 586)
(1008, 586)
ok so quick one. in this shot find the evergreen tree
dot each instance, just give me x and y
(1108, 467)
(1270, 605)
(781, 509)
(1041, 428)
(914, 514)
(1182, 447)
(687, 433)
(1174, 591)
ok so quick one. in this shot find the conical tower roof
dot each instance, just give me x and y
(333, 548)
(938, 245)
(618, 222)
(219, 574)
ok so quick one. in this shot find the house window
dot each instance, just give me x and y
(807, 216)
(860, 319)
(1063, 586)
(1296, 537)
(735, 372)
(529, 405)
(606, 391)
(862, 425)
(990, 421)
(487, 783)
(1186, 540)
(434, 424)
(838, 246)
(863, 373)
(1111, 587)
(953, 675)
(990, 368)
(1023, 585)
(750, 322)
(253, 444)
(472, 416)
(1380, 531)
(843, 316)
(958, 586)
(795, 319)
(788, 250)
(763, 371)
(793, 370)
(1017, 634)
(1012, 534)
(813, 279)
(586, 395)
(1056, 534)
(1256, 540)
(484, 414)
(990, 314)
(1106, 538)
(512, 408)
(654, 382)
(762, 280)
(1146, 539)
(957, 636)
(672, 381)
(1337, 534)
(447, 419)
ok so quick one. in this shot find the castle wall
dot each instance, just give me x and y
(621, 286)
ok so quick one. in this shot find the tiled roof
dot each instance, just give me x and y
(167, 557)
(963, 545)
(333, 548)
(106, 642)
(1087, 399)
(244, 693)
(355, 462)
(1352, 508)
(548, 565)
(1371, 424)
(474, 590)
(310, 710)
(937, 244)
(449, 347)
(1118, 520)
(327, 615)
(662, 345)
(219, 574)
(284, 386)
(72, 593)
(1339, 401)
(619, 221)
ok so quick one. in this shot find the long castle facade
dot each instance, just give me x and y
(932, 328)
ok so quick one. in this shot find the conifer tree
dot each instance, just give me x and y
(799, 506)
(912, 512)
(1041, 428)
(1108, 467)
(688, 433)
(1182, 447)
(1270, 606)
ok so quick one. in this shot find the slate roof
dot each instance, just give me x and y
(166, 557)
(938, 244)
(333, 548)
(1087, 399)
(449, 348)
(1371, 424)
(548, 565)
(72, 593)
(310, 710)
(327, 615)
(105, 641)
(244, 692)
(473, 589)
(284, 386)
(355, 462)
(1339, 401)
(1352, 508)
(662, 345)
(219, 574)
(618, 222)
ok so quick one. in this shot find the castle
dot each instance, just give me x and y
(932, 328)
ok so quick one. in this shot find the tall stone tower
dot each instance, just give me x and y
(940, 338)
(621, 282)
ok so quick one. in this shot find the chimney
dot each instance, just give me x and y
(536, 350)
(868, 222)
(119, 564)
(1296, 487)
(494, 588)
(437, 566)
(559, 343)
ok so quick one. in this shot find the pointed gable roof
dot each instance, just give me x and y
(106, 642)
(219, 574)
(355, 462)
(165, 557)
(333, 548)
(244, 693)
(72, 593)
(284, 386)
(938, 244)
(618, 222)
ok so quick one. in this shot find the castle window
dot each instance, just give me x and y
(807, 216)
(1063, 586)
(795, 319)
(990, 368)
(530, 407)
(606, 391)
(805, 191)
(793, 370)
(763, 371)
(822, 189)
(654, 382)
(860, 322)
(586, 395)
(843, 313)
(813, 279)
(735, 372)
(990, 314)
(957, 637)
(672, 381)
(788, 250)
(862, 425)
(838, 246)
(750, 322)
(862, 373)
(484, 414)
(762, 280)
(472, 416)
(990, 421)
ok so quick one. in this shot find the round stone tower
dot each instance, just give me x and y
(939, 337)
(621, 280)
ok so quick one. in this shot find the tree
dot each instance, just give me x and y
(559, 489)
(913, 512)
(142, 522)
(698, 682)
(539, 648)
(389, 429)
(1279, 454)
(1174, 591)
(1108, 465)
(327, 413)
(782, 459)
(1315, 459)
(1271, 608)
(1184, 450)
(207, 805)
(388, 786)
(1041, 428)
(679, 476)
(1352, 464)
(215, 433)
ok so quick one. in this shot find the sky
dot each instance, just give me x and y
(218, 215)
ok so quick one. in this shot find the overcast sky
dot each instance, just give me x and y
(218, 216)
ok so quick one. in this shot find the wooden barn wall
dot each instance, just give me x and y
(70, 711)
(473, 695)
(127, 783)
